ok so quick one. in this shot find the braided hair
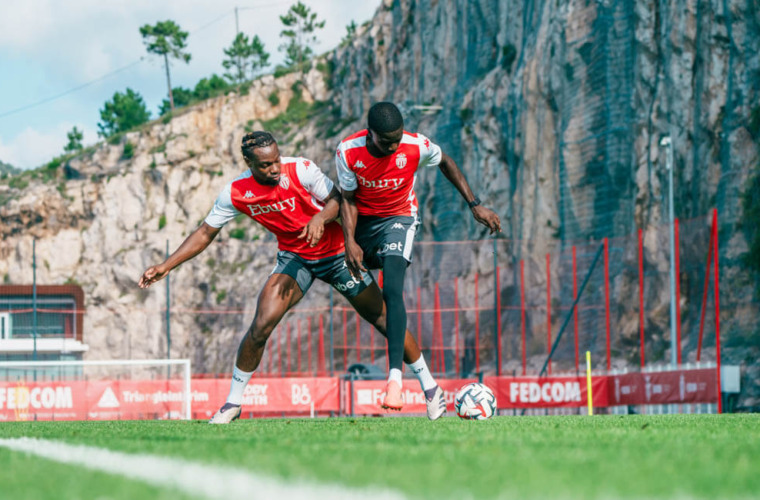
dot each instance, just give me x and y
(253, 140)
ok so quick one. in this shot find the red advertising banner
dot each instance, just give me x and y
(269, 395)
(546, 392)
(368, 395)
(654, 388)
(160, 399)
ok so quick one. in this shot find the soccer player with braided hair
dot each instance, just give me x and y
(294, 200)
(377, 169)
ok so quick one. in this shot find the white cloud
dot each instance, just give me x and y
(32, 148)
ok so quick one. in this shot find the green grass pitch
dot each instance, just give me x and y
(689, 456)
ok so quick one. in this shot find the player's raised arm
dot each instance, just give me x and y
(192, 246)
(482, 214)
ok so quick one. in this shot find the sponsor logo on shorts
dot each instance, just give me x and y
(389, 247)
(349, 285)
(397, 225)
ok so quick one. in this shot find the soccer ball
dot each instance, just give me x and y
(475, 402)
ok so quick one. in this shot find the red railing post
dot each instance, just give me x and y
(477, 327)
(321, 354)
(358, 338)
(438, 332)
(298, 345)
(456, 325)
(287, 349)
(548, 311)
(522, 317)
(498, 321)
(279, 348)
(419, 318)
(575, 311)
(308, 342)
(345, 339)
(607, 301)
(717, 309)
(641, 297)
(678, 291)
(707, 284)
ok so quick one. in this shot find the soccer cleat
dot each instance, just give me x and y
(393, 400)
(436, 403)
(226, 414)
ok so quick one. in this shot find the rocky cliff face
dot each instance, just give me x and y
(555, 111)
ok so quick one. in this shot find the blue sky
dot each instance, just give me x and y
(48, 47)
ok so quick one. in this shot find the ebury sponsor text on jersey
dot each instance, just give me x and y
(278, 206)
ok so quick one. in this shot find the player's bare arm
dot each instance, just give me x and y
(482, 214)
(315, 229)
(192, 246)
(348, 216)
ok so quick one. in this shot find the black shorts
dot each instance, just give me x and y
(381, 236)
(331, 270)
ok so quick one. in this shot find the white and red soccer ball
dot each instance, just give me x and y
(475, 402)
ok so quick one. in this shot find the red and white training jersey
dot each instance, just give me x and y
(384, 186)
(284, 209)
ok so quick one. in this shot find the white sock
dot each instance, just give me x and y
(395, 375)
(239, 381)
(420, 369)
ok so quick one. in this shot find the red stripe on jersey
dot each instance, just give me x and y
(285, 210)
(385, 186)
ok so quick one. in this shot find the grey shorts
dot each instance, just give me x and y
(331, 270)
(381, 236)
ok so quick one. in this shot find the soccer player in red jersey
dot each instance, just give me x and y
(377, 169)
(293, 199)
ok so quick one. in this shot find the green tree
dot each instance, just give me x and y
(350, 33)
(182, 97)
(245, 55)
(299, 34)
(121, 113)
(210, 87)
(75, 137)
(166, 39)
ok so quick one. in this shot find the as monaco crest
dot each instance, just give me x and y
(284, 181)
(401, 160)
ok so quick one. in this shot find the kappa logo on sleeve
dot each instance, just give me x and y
(248, 194)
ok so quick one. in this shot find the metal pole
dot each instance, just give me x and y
(667, 143)
(332, 345)
(34, 299)
(168, 312)
(496, 311)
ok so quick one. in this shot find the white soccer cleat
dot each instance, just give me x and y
(436, 404)
(226, 414)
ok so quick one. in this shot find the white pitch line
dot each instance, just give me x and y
(205, 480)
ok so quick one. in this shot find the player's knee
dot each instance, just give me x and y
(260, 331)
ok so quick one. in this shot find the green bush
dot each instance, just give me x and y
(509, 54)
(274, 98)
(128, 152)
(237, 233)
(161, 221)
(221, 296)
